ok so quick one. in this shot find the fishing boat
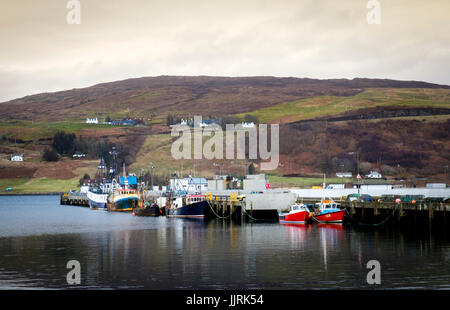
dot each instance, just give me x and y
(188, 206)
(97, 199)
(327, 211)
(147, 209)
(98, 196)
(123, 199)
(298, 214)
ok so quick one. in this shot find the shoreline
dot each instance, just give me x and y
(32, 194)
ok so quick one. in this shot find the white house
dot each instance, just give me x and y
(344, 174)
(374, 175)
(91, 120)
(248, 125)
(17, 157)
(78, 155)
(373, 184)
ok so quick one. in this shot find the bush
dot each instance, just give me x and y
(50, 155)
(64, 143)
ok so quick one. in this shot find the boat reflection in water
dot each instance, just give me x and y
(330, 235)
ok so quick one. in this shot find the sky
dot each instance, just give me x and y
(115, 40)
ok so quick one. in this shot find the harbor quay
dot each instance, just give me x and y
(427, 206)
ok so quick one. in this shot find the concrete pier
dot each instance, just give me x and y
(75, 199)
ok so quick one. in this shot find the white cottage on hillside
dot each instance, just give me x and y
(91, 120)
(17, 157)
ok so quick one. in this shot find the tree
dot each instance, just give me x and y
(64, 143)
(251, 118)
(50, 155)
(170, 120)
(251, 169)
(85, 177)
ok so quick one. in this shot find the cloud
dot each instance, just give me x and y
(118, 40)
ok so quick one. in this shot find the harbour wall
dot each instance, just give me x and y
(339, 192)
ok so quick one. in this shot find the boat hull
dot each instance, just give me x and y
(194, 210)
(97, 201)
(330, 217)
(301, 217)
(124, 204)
(147, 211)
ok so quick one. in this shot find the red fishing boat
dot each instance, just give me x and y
(298, 214)
(328, 212)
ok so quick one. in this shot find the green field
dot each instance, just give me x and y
(302, 182)
(28, 130)
(332, 105)
(39, 185)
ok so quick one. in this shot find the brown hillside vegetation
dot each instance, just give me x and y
(205, 95)
(412, 146)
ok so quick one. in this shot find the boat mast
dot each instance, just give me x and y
(125, 176)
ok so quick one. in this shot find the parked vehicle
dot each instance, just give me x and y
(411, 198)
(352, 197)
(364, 198)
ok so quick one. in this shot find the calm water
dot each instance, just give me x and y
(38, 237)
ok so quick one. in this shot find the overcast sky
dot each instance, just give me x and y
(41, 52)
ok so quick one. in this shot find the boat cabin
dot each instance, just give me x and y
(327, 206)
(299, 207)
(194, 198)
(128, 191)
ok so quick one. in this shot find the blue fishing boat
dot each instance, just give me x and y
(189, 206)
(123, 199)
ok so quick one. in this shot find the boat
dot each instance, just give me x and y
(189, 206)
(123, 199)
(327, 211)
(298, 214)
(98, 196)
(147, 210)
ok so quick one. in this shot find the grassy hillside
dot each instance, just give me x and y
(400, 128)
(152, 97)
(28, 130)
(332, 105)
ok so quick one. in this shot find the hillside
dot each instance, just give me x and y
(400, 128)
(152, 97)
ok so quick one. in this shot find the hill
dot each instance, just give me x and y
(154, 97)
(400, 128)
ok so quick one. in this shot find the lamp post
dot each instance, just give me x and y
(357, 168)
(151, 174)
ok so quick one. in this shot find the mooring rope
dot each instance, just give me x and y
(255, 219)
(221, 217)
(314, 218)
(377, 224)
(245, 211)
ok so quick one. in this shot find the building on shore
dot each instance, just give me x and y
(17, 157)
(373, 184)
(92, 120)
(344, 174)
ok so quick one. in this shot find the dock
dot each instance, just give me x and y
(380, 213)
(74, 198)
(254, 206)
